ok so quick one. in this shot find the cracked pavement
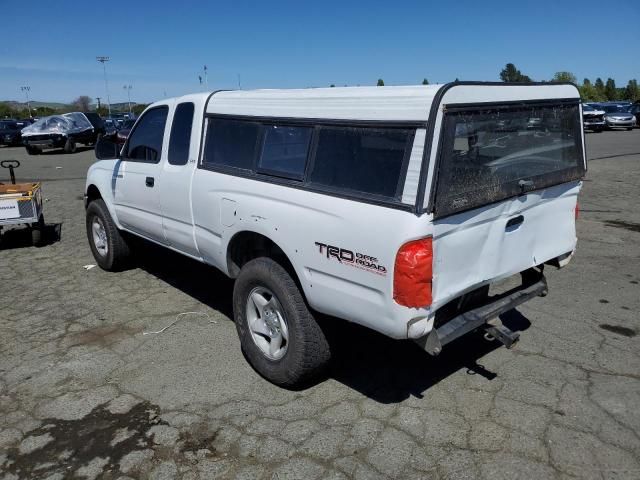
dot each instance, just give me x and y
(85, 394)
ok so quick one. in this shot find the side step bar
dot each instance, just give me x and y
(487, 316)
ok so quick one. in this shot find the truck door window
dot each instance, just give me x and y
(231, 143)
(180, 138)
(145, 142)
(284, 151)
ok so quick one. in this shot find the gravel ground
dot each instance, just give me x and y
(84, 393)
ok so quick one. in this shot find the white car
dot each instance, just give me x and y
(393, 207)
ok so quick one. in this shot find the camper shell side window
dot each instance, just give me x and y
(367, 163)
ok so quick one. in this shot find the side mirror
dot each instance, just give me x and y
(106, 149)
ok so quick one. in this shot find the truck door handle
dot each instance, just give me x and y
(514, 222)
(149, 182)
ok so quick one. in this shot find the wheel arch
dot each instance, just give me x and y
(93, 193)
(247, 245)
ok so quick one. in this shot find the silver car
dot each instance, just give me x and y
(618, 116)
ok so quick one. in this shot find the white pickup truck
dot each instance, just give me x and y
(392, 207)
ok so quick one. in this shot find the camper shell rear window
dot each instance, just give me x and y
(492, 152)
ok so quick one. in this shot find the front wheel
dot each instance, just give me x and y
(278, 334)
(33, 150)
(108, 246)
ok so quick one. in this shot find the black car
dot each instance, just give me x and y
(10, 133)
(63, 131)
(635, 109)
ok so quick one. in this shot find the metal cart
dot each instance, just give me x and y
(21, 203)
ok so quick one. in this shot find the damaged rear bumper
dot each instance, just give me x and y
(534, 284)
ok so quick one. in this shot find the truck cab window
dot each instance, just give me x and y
(145, 142)
(181, 134)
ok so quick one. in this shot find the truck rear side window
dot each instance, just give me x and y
(231, 143)
(365, 160)
(489, 154)
(181, 134)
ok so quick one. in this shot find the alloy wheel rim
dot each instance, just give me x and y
(99, 234)
(267, 323)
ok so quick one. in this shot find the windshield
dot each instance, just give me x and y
(492, 154)
(8, 126)
(615, 108)
(588, 108)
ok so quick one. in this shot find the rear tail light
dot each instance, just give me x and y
(413, 274)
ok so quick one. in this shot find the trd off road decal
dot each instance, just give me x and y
(351, 258)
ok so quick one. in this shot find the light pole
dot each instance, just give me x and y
(128, 89)
(26, 91)
(103, 61)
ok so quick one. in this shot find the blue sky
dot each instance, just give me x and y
(161, 46)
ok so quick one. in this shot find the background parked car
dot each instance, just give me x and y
(63, 131)
(10, 133)
(123, 133)
(617, 115)
(593, 119)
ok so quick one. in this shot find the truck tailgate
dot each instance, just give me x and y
(498, 240)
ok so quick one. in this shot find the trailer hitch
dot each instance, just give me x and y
(495, 330)
(486, 316)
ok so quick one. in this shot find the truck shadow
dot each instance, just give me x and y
(20, 237)
(383, 369)
(390, 371)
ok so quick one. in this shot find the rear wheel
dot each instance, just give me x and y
(33, 150)
(278, 334)
(70, 146)
(109, 248)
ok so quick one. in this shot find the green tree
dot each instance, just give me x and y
(632, 91)
(425, 81)
(511, 74)
(565, 77)
(82, 103)
(380, 82)
(599, 85)
(610, 89)
(139, 108)
(332, 85)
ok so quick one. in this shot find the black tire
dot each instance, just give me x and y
(117, 255)
(308, 351)
(33, 150)
(37, 232)
(629, 129)
(70, 146)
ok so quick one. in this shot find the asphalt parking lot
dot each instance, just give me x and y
(85, 393)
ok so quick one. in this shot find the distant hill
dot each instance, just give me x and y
(15, 105)
(35, 104)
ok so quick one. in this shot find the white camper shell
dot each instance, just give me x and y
(392, 207)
